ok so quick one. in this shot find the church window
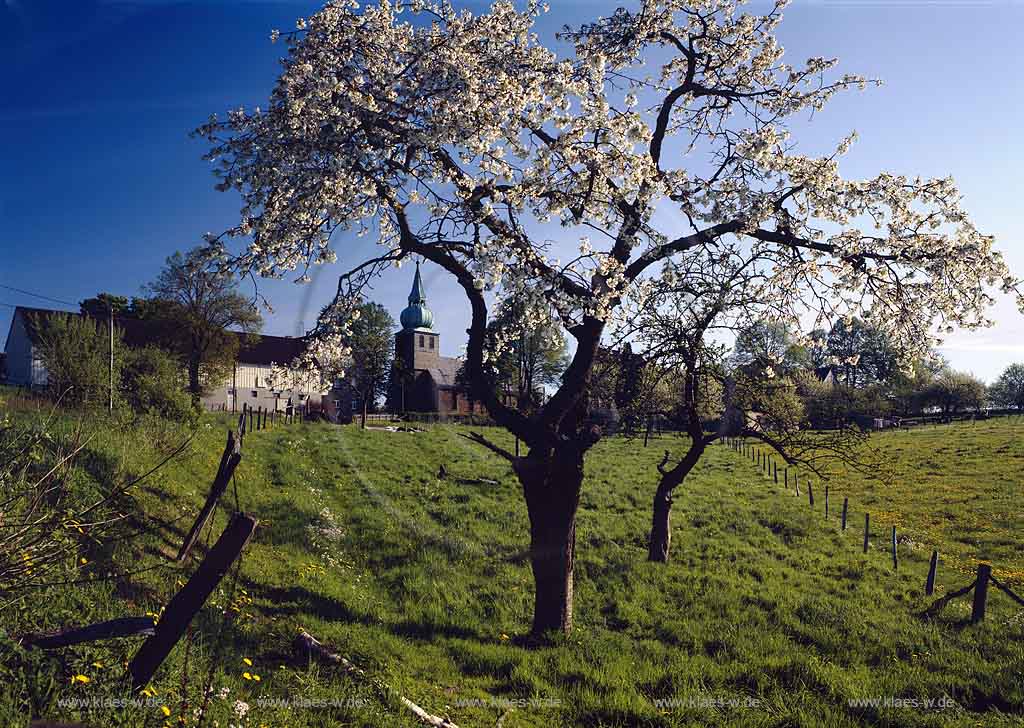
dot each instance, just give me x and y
(431, 342)
(421, 341)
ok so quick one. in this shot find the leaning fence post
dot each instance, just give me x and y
(867, 526)
(929, 584)
(796, 482)
(775, 473)
(186, 603)
(980, 593)
(810, 493)
(846, 503)
(895, 560)
(228, 462)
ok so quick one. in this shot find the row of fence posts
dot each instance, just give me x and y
(770, 468)
(258, 418)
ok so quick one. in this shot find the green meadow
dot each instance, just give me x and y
(768, 614)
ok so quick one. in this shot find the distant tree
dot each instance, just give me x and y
(860, 354)
(153, 382)
(101, 306)
(401, 377)
(525, 359)
(768, 344)
(372, 345)
(1008, 389)
(199, 303)
(76, 353)
(953, 391)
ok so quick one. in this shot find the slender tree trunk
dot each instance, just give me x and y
(661, 527)
(193, 376)
(363, 423)
(552, 490)
(660, 542)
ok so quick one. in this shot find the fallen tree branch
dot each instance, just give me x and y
(481, 440)
(308, 645)
(122, 627)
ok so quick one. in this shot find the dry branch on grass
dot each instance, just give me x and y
(308, 646)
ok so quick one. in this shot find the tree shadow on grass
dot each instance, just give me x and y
(298, 600)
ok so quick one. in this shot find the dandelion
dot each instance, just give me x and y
(247, 661)
(80, 679)
(166, 711)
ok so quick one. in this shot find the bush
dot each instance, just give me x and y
(76, 353)
(154, 383)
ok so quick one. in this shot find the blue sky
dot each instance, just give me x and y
(99, 180)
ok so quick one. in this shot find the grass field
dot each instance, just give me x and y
(768, 615)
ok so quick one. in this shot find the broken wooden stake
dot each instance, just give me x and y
(180, 611)
(228, 462)
(122, 627)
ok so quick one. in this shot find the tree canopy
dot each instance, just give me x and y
(199, 304)
(469, 142)
(371, 342)
(1008, 389)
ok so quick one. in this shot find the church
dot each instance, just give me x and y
(424, 380)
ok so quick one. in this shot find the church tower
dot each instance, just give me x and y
(417, 345)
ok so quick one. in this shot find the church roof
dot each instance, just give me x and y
(446, 371)
(416, 315)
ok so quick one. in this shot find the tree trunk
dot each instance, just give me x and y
(363, 424)
(660, 540)
(552, 491)
(661, 527)
(193, 376)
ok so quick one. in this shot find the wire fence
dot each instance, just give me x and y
(985, 574)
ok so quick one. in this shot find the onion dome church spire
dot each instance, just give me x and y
(416, 315)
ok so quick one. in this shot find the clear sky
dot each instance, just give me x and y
(99, 180)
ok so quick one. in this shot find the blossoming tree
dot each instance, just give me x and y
(463, 139)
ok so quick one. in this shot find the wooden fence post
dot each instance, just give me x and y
(846, 504)
(810, 493)
(228, 462)
(895, 559)
(929, 584)
(867, 526)
(786, 474)
(826, 501)
(187, 602)
(775, 473)
(980, 593)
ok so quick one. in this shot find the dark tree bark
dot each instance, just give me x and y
(551, 486)
(661, 527)
(660, 542)
(194, 361)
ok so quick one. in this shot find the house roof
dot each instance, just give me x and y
(447, 370)
(277, 349)
(139, 333)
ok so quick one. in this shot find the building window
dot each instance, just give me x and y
(431, 342)
(421, 341)
(255, 393)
